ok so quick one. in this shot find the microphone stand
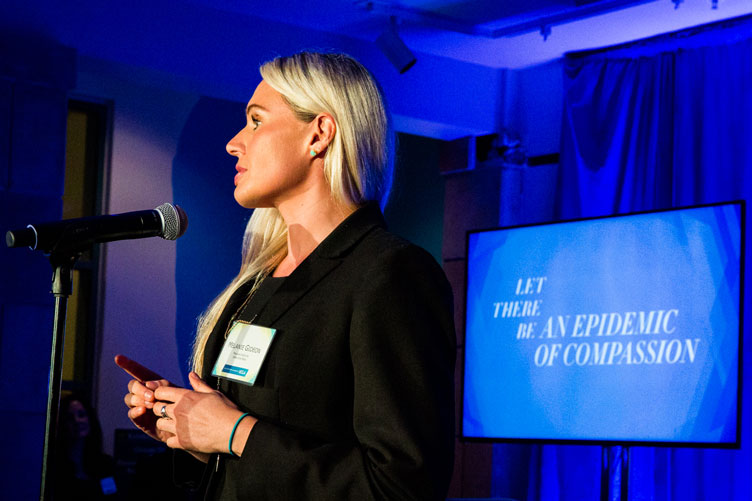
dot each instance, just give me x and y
(67, 242)
(62, 287)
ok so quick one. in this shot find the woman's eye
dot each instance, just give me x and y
(255, 122)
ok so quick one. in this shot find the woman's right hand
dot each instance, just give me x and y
(140, 397)
(140, 402)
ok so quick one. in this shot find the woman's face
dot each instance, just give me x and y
(272, 151)
(77, 420)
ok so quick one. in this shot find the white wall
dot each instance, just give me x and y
(138, 289)
(217, 53)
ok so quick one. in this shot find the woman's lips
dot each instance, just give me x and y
(240, 171)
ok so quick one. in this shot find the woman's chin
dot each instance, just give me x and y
(245, 201)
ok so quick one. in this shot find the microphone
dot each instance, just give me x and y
(71, 235)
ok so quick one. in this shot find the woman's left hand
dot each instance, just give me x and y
(200, 420)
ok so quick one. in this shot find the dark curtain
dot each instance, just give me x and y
(661, 123)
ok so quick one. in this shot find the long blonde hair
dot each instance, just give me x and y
(358, 162)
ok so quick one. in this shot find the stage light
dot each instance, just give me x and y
(395, 49)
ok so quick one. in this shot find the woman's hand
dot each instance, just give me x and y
(140, 399)
(140, 396)
(200, 420)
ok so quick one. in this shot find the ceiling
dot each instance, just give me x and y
(460, 86)
(494, 33)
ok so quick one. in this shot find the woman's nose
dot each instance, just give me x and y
(234, 146)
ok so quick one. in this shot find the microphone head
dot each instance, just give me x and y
(174, 219)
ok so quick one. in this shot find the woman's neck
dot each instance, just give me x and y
(308, 224)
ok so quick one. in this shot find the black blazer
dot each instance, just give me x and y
(355, 399)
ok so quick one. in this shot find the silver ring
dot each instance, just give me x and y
(164, 412)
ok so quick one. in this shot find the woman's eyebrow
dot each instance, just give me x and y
(250, 107)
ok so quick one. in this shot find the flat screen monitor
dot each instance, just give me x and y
(618, 329)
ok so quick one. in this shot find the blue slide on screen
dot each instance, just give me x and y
(620, 329)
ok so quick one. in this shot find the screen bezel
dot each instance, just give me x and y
(736, 444)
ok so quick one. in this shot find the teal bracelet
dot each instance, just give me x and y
(234, 429)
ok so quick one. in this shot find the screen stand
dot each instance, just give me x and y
(615, 473)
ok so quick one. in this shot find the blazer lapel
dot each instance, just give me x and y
(322, 261)
(309, 273)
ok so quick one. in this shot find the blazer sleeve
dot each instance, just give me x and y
(402, 347)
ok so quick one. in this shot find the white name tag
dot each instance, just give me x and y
(243, 353)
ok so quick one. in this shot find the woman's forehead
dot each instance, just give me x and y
(265, 98)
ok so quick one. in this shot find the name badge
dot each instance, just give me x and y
(243, 353)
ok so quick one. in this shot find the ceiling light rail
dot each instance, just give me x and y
(497, 28)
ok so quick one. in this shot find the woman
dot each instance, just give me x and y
(327, 364)
(81, 466)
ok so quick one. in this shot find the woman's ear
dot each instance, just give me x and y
(324, 129)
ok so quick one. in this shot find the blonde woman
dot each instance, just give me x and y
(325, 370)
